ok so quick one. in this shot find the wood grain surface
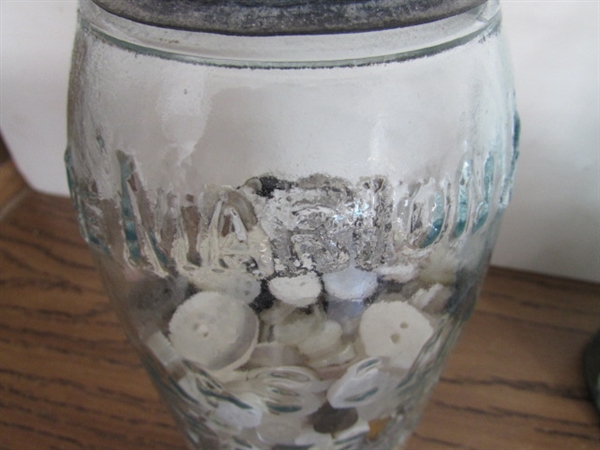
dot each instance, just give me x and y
(69, 380)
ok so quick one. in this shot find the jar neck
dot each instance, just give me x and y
(292, 51)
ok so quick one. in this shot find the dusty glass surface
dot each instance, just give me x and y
(293, 229)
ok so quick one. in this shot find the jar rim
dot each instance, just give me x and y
(286, 17)
(290, 51)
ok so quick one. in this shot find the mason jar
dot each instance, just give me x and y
(292, 204)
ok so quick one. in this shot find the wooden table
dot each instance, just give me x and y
(69, 380)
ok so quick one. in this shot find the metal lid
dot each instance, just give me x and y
(277, 17)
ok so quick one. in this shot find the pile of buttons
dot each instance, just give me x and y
(282, 351)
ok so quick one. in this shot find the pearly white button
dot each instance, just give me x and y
(342, 354)
(363, 383)
(238, 413)
(441, 267)
(270, 354)
(399, 273)
(352, 438)
(163, 350)
(234, 283)
(350, 284)
(323, 341)
(277, 430)
(228, 409)
(297, 327)
(308, 437)
(300, 291)
(214, 330)
(395, 330)
(432, 300)
(287, 391)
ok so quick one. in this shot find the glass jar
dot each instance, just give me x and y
(292, 204)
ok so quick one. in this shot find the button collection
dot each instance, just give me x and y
(293, 352)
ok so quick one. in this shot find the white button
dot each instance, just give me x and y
(287, 391)
(234, 283)
(270, 354)
(297, 327)
(228, 410)
(277, 430)
(350, 284)
(386, 406)
(164, 351)
(277, 313)
(362, 383)
(441, 267)
(309, 437)
(214, 330)
(341, 355)
(400, 273)
(323, 341)
(432, 300)
(300, 291)
(238, 413)
(351, 438)
(395, 330)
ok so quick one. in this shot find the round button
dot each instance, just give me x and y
(352, 438)
(399, 273)
(297, 327)
(234, 283)
(342, 354)
(214, 330)
(322, 341)
(279, 430)
(362, 383)
(350, 284)
(228, 410)
(300, 291)
(287, 391)
(163, 350)
(432, 300)
(238, 413)
(395, 330)
(270, 354)
(309, 438)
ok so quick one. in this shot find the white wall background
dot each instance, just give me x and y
(553, 223)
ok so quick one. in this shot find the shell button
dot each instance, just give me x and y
(395, 330)
(300, 291)
(287, 391)
(214, 330)
(363, 383)
(350, 284)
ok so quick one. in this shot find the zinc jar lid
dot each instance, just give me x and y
(286, 17)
